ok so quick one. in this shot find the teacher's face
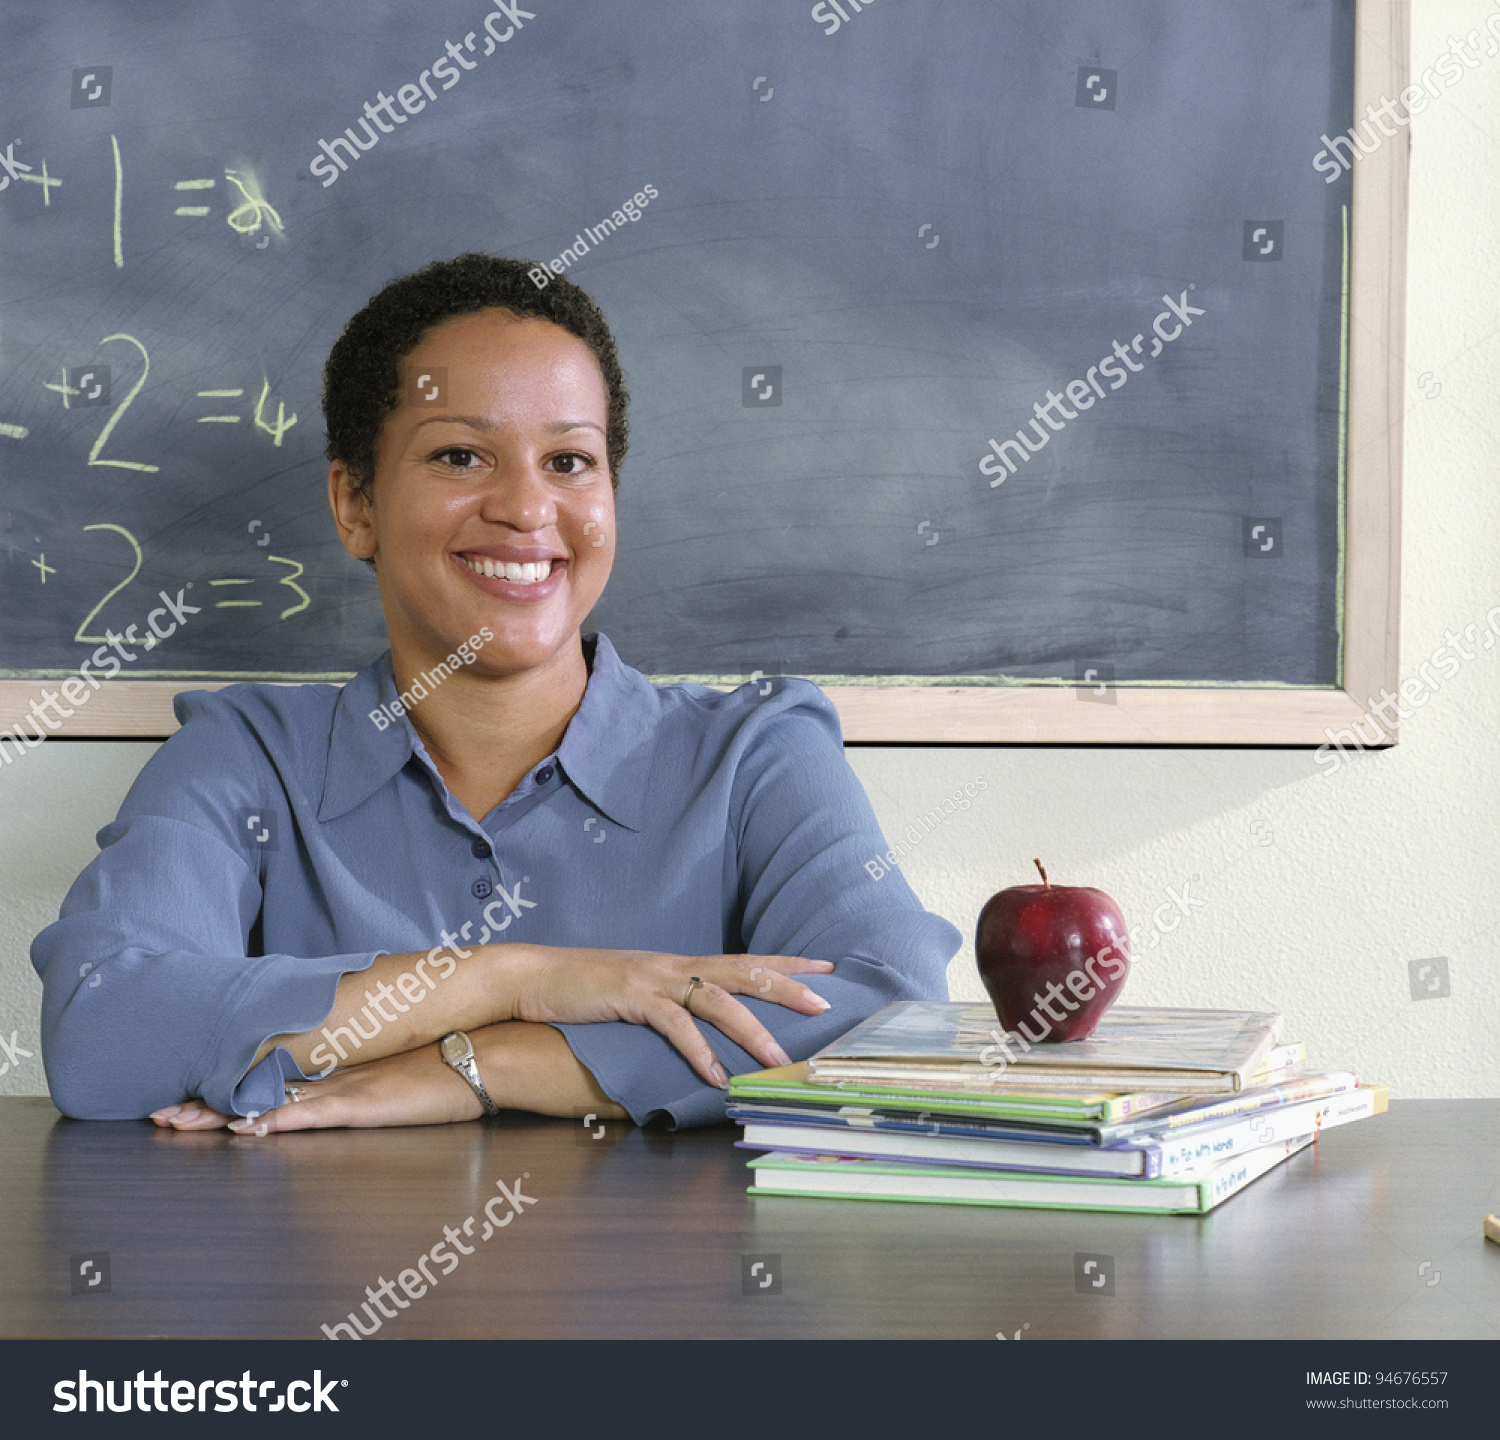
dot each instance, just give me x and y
(491, 503)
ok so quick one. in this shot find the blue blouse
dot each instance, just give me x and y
(284, 837)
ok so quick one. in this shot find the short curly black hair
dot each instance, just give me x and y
(362, 375)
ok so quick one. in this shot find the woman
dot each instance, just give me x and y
(498, 868)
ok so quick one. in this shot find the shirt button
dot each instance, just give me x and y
(544, 774)
(480, 888)
(480, 849)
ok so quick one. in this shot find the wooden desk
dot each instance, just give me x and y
(1376, 1233)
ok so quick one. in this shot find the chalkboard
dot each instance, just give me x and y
(884, 239)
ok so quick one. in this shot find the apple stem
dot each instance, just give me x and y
(1045, 881)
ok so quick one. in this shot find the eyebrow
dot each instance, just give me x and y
(478, 422)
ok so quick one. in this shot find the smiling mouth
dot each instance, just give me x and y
(529, 573)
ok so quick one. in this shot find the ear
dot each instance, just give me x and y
(352, 512)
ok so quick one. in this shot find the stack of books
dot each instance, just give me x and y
(1160, 1110)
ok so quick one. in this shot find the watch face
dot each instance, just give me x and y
(456, 1048)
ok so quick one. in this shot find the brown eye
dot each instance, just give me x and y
(574, 462)
(457, 458)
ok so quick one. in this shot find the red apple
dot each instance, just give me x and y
(1053, 958)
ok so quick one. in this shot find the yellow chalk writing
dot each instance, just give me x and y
(135, 570)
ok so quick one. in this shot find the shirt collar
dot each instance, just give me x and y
(605, 751)
(607, 747)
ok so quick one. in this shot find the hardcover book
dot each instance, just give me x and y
(959, 1044)
(1170, 1154)
(845, 1179)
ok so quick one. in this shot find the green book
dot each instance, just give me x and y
(789, 1083)
(837, 1178)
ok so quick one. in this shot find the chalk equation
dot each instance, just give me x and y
(247, 211)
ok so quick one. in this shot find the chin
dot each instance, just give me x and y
(509, 652)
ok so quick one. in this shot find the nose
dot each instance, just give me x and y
(519, 496)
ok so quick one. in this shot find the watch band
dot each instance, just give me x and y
(458, 1054)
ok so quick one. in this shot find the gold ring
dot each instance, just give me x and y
(693, 983)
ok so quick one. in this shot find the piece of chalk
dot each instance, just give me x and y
(1492, 1228)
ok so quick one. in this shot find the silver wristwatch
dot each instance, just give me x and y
(458, 1053)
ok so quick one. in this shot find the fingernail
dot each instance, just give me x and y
(248, 1127)
(720, 1078)
(817, 999)
(185, 1113)
(166, 1112)
(779, 1055)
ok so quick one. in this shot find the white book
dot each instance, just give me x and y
(847, 1179)
(1168, 1154)
(1193, 1147)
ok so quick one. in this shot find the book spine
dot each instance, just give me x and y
(1313, 1088)
(1244, 1077)
(1284, 1057)
(1190, 1151)
(1122, 1107)
(1230, 1180)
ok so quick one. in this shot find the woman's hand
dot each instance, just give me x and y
(524, 1067)
(565, 986)
(415, 1088)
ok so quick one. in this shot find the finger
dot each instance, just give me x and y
(788, 964)
(312, 1112)
(766, 983)
(721, 1010)
(190, 1116)
(673, 1022)
(309, 1114)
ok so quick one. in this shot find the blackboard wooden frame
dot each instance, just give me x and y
(1050, 713)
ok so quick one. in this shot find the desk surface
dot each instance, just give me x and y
(1373, 1233)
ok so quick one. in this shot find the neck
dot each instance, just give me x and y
(484, 732)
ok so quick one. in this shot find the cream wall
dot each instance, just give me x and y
(1317, 890)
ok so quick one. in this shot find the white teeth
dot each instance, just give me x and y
(527, 574)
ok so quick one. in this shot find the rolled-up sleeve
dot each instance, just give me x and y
(150, 993)
(800, 831)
